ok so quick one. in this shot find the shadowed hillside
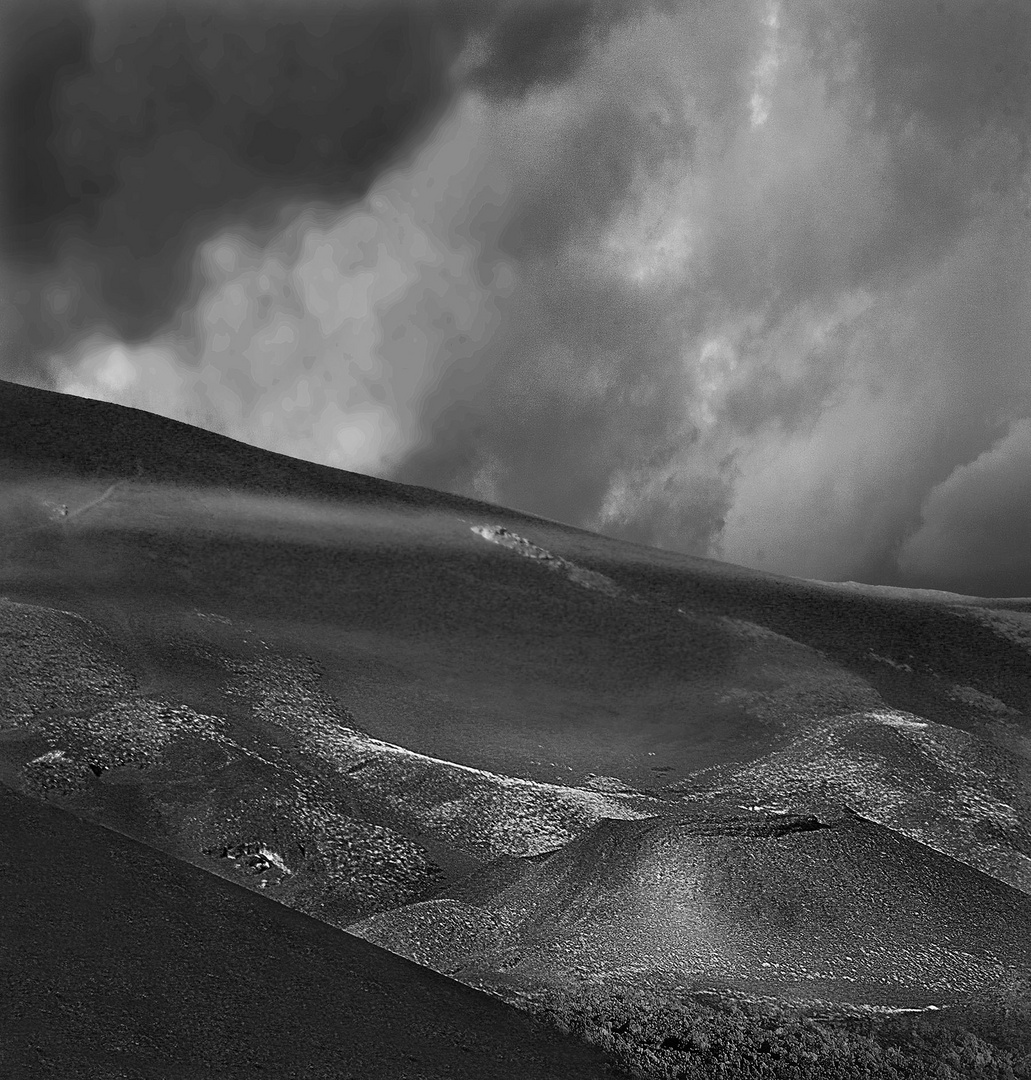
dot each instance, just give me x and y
(254, 772)
(118, 961)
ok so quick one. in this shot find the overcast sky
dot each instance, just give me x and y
(740, 278)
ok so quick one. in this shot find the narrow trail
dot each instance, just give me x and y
(79, 510)
(66, 515)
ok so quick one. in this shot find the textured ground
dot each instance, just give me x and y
(380, 703)
(955, 792)
(823, 909)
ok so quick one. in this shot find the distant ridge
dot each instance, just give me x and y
(48, 431)
(959, 794)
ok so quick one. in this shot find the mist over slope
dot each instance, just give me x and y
(490, 658)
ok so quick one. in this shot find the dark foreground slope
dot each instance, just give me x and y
(119, 962)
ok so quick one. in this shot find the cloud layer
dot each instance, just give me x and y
(746, 279)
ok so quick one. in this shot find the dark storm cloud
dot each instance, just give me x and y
(586, 424)
(131, 132)
(976, 523)
(939, 95)
(530, 44)
(948, 85)
(583, 186)
(127, 132)
(585, 379)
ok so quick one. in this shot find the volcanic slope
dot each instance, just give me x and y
(260, 776)
(464, 631)
(837, 910)
(953, 791)
(349, 693)
(118, 961)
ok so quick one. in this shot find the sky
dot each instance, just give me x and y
(745, 279)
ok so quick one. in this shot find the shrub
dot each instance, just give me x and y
(653, 1036)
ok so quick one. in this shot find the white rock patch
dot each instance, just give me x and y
(274, 858)
(579, 575)
(49, 757)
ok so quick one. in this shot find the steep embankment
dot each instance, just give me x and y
(118, 961)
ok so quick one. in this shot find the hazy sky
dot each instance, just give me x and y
(740, 278)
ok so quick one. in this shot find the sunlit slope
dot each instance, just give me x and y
(829, 909)
(951, 790)
(462, 631)
(118, 961)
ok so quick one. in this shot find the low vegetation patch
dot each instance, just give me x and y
(653, 1036)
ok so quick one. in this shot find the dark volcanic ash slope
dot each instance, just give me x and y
(54, 660)
(834, 910)
(118, 961)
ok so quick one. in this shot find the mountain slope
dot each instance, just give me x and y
(429, 622)
(259, 775)
(356, 697)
